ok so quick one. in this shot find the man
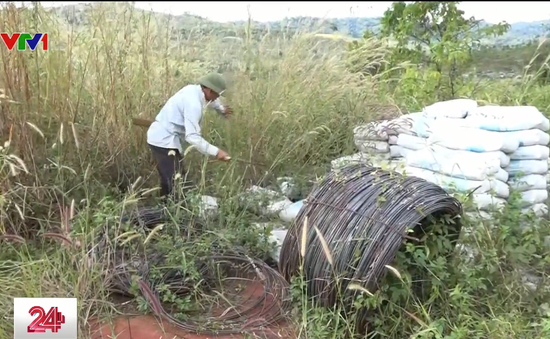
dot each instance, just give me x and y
(181, 117)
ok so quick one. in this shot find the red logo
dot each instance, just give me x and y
(51, 321)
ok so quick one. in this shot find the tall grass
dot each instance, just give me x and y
(66, 119)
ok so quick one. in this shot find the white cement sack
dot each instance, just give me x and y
(208, 206)
(529, 137)
(528, 182)
(276, 207)
(290, 213)
(264, 201)
(392, 140)
(456, 108)
(454, 165)
(404, 151)
(493, 186)
(395, 151)
(483, 157)
(527, 167)
(502, 175)
(471, 139)
(375, 130)
(418, 143)
(540, 210)
(508, 118)
(276, 237)
(411, 142)
(487, 202)
(372, 146)
(411, 124)
(533, 197)
(535, 152)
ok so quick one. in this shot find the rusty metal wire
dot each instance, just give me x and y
(251, 296)
(236, 293)
(364, 215)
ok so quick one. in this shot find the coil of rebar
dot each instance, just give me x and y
(364, 214)
(237, 294)
(238, 309)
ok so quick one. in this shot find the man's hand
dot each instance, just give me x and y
(227, 111)
(222, 156)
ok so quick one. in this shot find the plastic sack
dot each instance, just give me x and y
(426, 127)
(290, 212)
(535, 152)
(411, 142)
(372, 146)
(264, 201)
(208, 206)
(395, 151)
(454, 165)
(392, 140)
(404, 151)
(473, 156)
(540, 210)
(471, 139)
(533, 197)
(277, 206)
(487, 202)
(502, 175)
(493, 186)
(410, 124)
(375, 130)
(529, 137)
(456, 108)
(527, 167)
(508, 118)
(528, 182)
(277, 237)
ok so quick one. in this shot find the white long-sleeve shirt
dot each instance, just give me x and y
(181, 117)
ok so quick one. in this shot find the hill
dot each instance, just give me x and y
(354, 27)
(518, 33)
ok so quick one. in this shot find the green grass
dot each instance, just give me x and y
(66, 114)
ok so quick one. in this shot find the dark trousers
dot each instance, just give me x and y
(168, 166)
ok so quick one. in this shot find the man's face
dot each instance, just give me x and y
(210, 95)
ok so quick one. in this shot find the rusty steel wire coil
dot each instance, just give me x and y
(236, 293)
(245, 295)
(364, 215)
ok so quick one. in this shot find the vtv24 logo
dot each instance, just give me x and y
(45, 318)
(25, 39)
(51, 321)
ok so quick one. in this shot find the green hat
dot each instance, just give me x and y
(214, 81)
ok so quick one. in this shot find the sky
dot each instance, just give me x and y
(492, 12)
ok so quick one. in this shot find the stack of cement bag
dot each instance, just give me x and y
(459, 156)
(377, 138)
(384, 139)
(487, 150)
(528, 166)
(385, 143)
(463, 147)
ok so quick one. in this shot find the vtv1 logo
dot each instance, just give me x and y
(45, 318)
(25, 39)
